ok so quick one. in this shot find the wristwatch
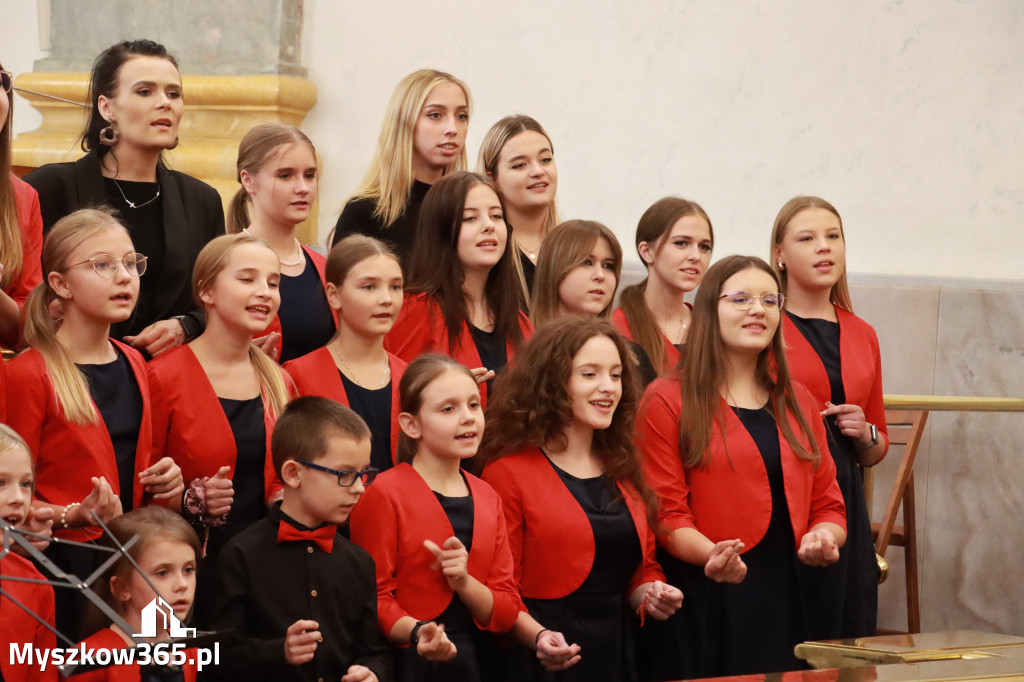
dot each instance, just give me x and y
(414, 634)
(874, 439)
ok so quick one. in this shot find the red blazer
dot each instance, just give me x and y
(861, 366)
(551, 538)
(320, 263)
(316, 374)
(108, 639)
(397, 513)
(420, 329)
(67, 455)
(17, 627)
(619, 320)
(731, 498)
(30, 223)
(190, 426)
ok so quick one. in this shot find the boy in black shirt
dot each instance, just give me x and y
(302, 597)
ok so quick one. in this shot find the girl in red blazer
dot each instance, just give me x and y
(215, 400)
(733, 451)
(21, 230)
(277, 171)
(364, 288)
(80, 399)
(559, 451)
(835, 355)
(167, 555)
(674, 239)
(437, 534)
(17, 627)
(464, 290)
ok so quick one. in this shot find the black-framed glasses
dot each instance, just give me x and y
(106, 264)
(346, 477)
(6, 80)
(744, 300)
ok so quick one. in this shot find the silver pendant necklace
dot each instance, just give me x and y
(130, 203)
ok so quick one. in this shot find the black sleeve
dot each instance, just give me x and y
(243, 657)
(212, 225)
(374, 652)
(642, 363)
(52, 183)
(356, 218)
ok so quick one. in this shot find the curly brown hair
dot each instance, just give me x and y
(531, 405)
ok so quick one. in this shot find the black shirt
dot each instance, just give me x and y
(115, 391)
(249, 430)
(357, 218)
(263, 586)
(146, 228)
(374, 406)
(306, 319)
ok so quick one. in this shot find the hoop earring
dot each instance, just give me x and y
(110, 135)
(176, 140)
(781, 266)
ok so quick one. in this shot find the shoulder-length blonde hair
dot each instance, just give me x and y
(11, 250)
(211, 262)
(69, 385)
(566, 247)
(840, 294)
(389, 178)
(702, 373)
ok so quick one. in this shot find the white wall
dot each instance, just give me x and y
(909, 116)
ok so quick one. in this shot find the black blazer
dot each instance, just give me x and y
(193, 215)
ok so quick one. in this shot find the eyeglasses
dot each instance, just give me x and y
(744, 300)
(105, 264)
(346, 477)
(5, 80)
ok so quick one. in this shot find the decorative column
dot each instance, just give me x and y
(239, 66)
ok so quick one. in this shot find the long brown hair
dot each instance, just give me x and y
(210, 262)
(71, 391)
(531, 406)
(565, 248)
(389, 179)
(420, 373)
(257, 147)
(702, 373)
(435, 269)
(840, 294)
(11, 249)
(655, 224)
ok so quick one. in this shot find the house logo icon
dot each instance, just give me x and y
(158, 615)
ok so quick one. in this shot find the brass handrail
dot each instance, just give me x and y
(952, 403)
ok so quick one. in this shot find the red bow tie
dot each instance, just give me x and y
(323, 536)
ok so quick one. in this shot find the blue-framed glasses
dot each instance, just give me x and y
(346, 477)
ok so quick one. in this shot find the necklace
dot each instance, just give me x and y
(130, 203)
(383, 378)
(287, 264)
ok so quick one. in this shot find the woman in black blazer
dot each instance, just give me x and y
(136, 96)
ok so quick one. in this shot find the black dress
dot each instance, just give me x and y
(374, 406)
(843, 597)
(726, 629)
(597, 615)
(357, 218)
(306, 319)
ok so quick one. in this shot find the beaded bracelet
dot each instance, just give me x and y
(64, 514)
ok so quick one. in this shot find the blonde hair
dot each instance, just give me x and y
(11, 251)
(257, 147)
(69, 385)
(389, 179)
(564, 249)
(11, 440)
(840, 293)
(210, 263)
